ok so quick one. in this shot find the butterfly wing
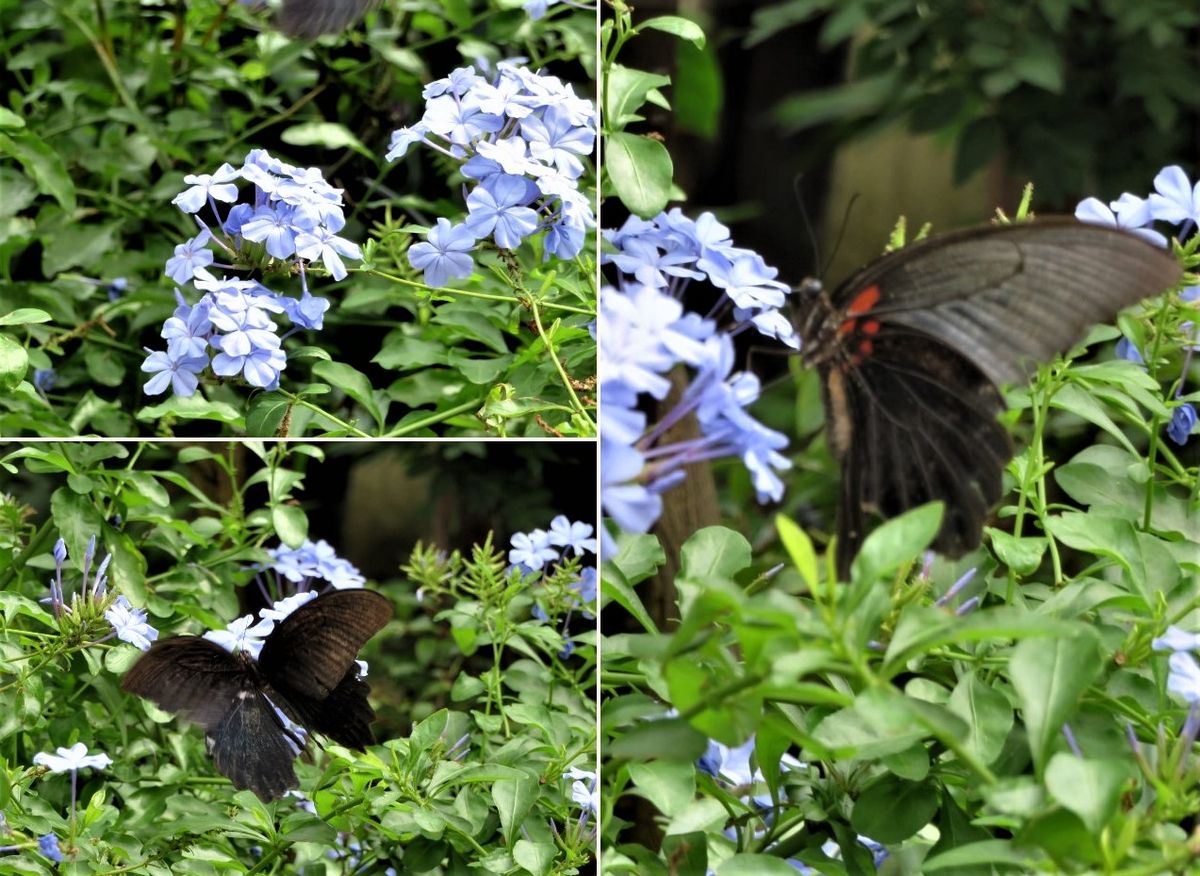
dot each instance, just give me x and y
(312, 649)
(912, 349)
(190, 675)
(220, 691)
(251, 747)
(1011, 296)
(311, 18)
(913, 423)
(345, 715)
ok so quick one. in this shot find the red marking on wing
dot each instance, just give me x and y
(866, 347)
(871, 327)
(847, 327)
(864, 301)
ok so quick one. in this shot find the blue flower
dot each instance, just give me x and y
(174, 370)
(531, 550)
(575, 535)
(273, 228)
(243, 634)
(323, 244)
(444, 253)
(1175, 639)
(497, 208)
(1096, 212)
(586, 585)
(130, 625)
(71, 759)
(315, 560)
(1126, 349)
(554, 140)
(261, 365)
(308, 312)
(191, 257)
(44, 379)
(1175, 199)
(187, 332)
(48, 845)
(1183, 420)
(1183, 677)
(218, 186)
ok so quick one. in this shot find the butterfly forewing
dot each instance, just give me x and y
(312, 18)
(344, 716)
(189, 675)
(1011, 296)
(314, 647)
(913, 347)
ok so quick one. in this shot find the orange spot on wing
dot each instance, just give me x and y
(847, 327)
(866, 347)
(864, 301)
(871, 327)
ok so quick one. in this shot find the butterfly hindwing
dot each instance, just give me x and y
(251, 748)
(345, 715)
(311, 650)
(915, 422)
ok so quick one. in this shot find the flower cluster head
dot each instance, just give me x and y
(1183, 677)
(315, 560)
(301, 567)
(648, 332)
(290, 219)
(542, 552)
(520, 138)
(1175, 201)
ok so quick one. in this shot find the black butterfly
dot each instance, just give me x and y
(311, 18)
(912, 348)
(306, 668)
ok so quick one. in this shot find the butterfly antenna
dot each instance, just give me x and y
(841, 233)
(808, 225)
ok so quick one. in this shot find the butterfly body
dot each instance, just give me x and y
(305, 675)
(913, 348)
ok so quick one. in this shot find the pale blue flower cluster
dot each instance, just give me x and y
(315, 560)
(520, 138)
(647, 332)
(535, 552)
(291, 219)
(1175, 201)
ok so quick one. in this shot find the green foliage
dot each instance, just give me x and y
(111, 104)
(1046, 82)
(637, 167)
(477, 779)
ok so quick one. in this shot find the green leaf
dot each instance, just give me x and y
(352, 382)
(291, 524)
(897, 542)
(1049, 676)
(14, 363)
(669, 738)
(267, 414)
(43, 165)
(669, 784)
(714, 552)
(1078, 401)
(1022, 555)
(988, 716)
(674, 24)
(1090, 788)
(989, 853)
(625, 92)
(514, 798)
(699, 90)
(193, 407)
(755, 865)
(537, 858)
(326, 134)
(892, 809)
(25, 316)
(640, 171)
(800, 549)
